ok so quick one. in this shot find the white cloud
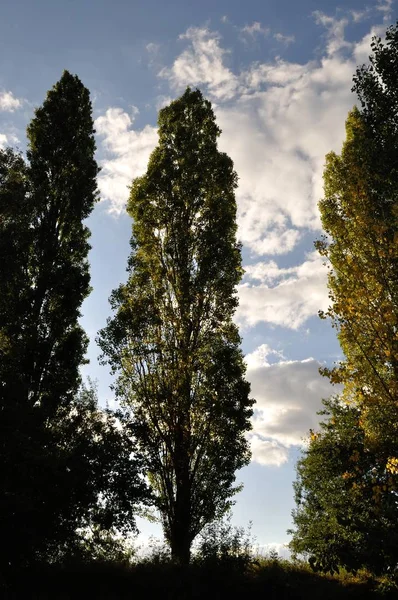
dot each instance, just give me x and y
(361, 50)
(128, 151)
(268, 453)
(163, 101)
(385, 7)
(286, 297)
(288, 396)
(202, 63)
(255, 29)
(9, 139)
(278, 119)
(280, 548)
(284, 39)
(361, 15)
(335, 30)
(8, 103)
(277, 134)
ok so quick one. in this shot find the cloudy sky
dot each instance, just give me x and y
(279, 75)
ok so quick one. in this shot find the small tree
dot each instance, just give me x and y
(347, 512)
(172, 340)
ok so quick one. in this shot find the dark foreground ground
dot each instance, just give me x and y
(266, 579)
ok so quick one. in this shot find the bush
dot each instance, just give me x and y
(224, 546)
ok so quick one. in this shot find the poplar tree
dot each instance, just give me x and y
(63, 172)
(359, 214)
(59, 453)
(172, 340)
(360, 217)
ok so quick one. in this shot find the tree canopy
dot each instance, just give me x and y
(58, 451)
(346, 513)
(360, 217)
(172, 339)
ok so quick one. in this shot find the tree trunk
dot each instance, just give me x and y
(181, 540)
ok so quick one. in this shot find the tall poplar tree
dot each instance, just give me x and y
(360, 217)
(64, 190)
(172, 340)
(58, 452)
(44, 270)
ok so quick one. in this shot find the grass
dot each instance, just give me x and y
(266, 578)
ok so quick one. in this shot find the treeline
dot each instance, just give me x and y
(74, 475)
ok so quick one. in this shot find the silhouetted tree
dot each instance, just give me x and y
(58, 451)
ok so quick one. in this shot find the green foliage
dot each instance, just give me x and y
(63, 175)
(347, 512)
(347, 480)
(361, 219)
(224, 547)
(44, 273)
(65, 463)
(360, 216)
(273, 580)
(172, 340)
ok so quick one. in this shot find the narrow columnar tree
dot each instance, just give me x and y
(58, 452)
(172, 340)
(63, 177)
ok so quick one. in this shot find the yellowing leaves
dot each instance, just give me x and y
(392, 465)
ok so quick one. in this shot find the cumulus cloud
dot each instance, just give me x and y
(202, 62)
(288, 396)
(286, 297)
(127, 151)
(268, 453)
(278, 135)
(3, 141)
(278, 119)
(8, 102)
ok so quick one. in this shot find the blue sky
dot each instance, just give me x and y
(279, 76)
